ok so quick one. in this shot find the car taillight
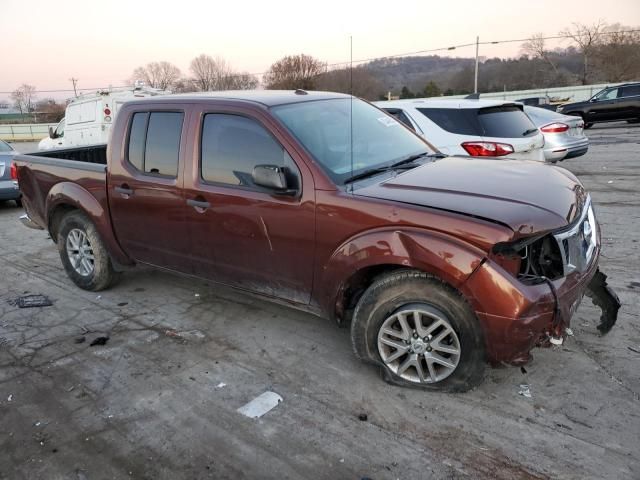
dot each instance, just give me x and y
(555, 128)
(487, 149)
(14, 171)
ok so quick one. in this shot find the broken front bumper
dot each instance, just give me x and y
(603, 297)
(517, 317)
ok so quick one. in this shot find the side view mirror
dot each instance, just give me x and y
(52, 134)
(271, 177)
(593, 100)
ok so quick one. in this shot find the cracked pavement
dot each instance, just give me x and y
(149, 404)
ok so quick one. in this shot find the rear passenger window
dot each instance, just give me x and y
(232, 145)
(154, 142)
(631, 91)
(136, 140)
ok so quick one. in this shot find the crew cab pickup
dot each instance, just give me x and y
(322, 201)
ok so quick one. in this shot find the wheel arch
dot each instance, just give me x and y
(357, 262)
(66, 197)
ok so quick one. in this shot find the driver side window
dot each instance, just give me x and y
(610, 94)
(60, 129)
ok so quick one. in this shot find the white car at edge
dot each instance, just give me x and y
(478, 128)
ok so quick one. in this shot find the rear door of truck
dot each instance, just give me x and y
(145, 185)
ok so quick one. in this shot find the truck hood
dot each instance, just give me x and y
(529, 197)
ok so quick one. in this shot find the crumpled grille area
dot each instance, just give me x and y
(561, 253)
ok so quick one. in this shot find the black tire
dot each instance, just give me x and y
(409, 289)
(18, 202)
(587, 126)
(103, 274)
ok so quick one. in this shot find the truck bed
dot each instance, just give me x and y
(44, 176)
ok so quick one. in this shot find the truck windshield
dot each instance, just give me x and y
(324, 128)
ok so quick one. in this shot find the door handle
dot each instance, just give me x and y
(124, 190)
(199, 205)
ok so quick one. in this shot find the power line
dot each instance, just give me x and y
(370, 59)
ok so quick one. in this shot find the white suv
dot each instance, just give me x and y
(477, 128)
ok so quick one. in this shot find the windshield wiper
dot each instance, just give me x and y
(404, 163)
(527, 132)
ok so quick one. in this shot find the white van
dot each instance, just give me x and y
(88, 118)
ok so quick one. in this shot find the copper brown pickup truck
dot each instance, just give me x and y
(320, 200)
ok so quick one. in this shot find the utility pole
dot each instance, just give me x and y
(475, 83)
(75, 81)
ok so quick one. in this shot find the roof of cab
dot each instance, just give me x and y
(267, 98)
(445, 103)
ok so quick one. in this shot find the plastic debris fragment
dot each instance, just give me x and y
(525, 391)
(260, 405)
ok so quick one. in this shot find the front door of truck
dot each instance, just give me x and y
(241, 234)
(145, 188)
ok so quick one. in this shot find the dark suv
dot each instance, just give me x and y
(610, 104)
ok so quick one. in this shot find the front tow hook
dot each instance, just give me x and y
(603, 297)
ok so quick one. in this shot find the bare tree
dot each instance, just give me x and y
(160, 75)
(24, 97)
(360, 82)
(535, 47)
(240, 81)
(586, 38)
(184, 85)
(217, 74)
(49, 110)
(209, 73)
(617, 56)
(294, 71)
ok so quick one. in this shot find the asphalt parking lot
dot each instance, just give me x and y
(159, 399)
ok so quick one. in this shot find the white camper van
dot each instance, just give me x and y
(88, 118)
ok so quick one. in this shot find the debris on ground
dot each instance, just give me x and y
(31, 301)
(363, 417)
(99, 341)
(260, 405)
(9, 398)
(221, 385)
(523, 370)
(187, 335)
(80, 339)
(637, 350)
(525, 391)
(122, 304)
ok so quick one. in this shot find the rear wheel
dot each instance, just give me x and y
(18, 202)
(83, 253)
(420, 331)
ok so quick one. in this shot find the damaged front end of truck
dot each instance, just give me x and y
(565, 263)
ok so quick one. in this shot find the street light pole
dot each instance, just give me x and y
(475, 83)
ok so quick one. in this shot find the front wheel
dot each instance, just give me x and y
(83, 253)
(420, 331)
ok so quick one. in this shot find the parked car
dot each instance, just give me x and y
(88, 118)
(478, 128)
(610, 104)
(8, 186)
(437, 263)
(563, 134)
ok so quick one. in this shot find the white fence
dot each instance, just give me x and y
(578, 93)
(25, 132)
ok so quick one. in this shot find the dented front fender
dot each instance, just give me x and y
(444, 256)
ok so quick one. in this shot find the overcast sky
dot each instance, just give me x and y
(47, 42)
